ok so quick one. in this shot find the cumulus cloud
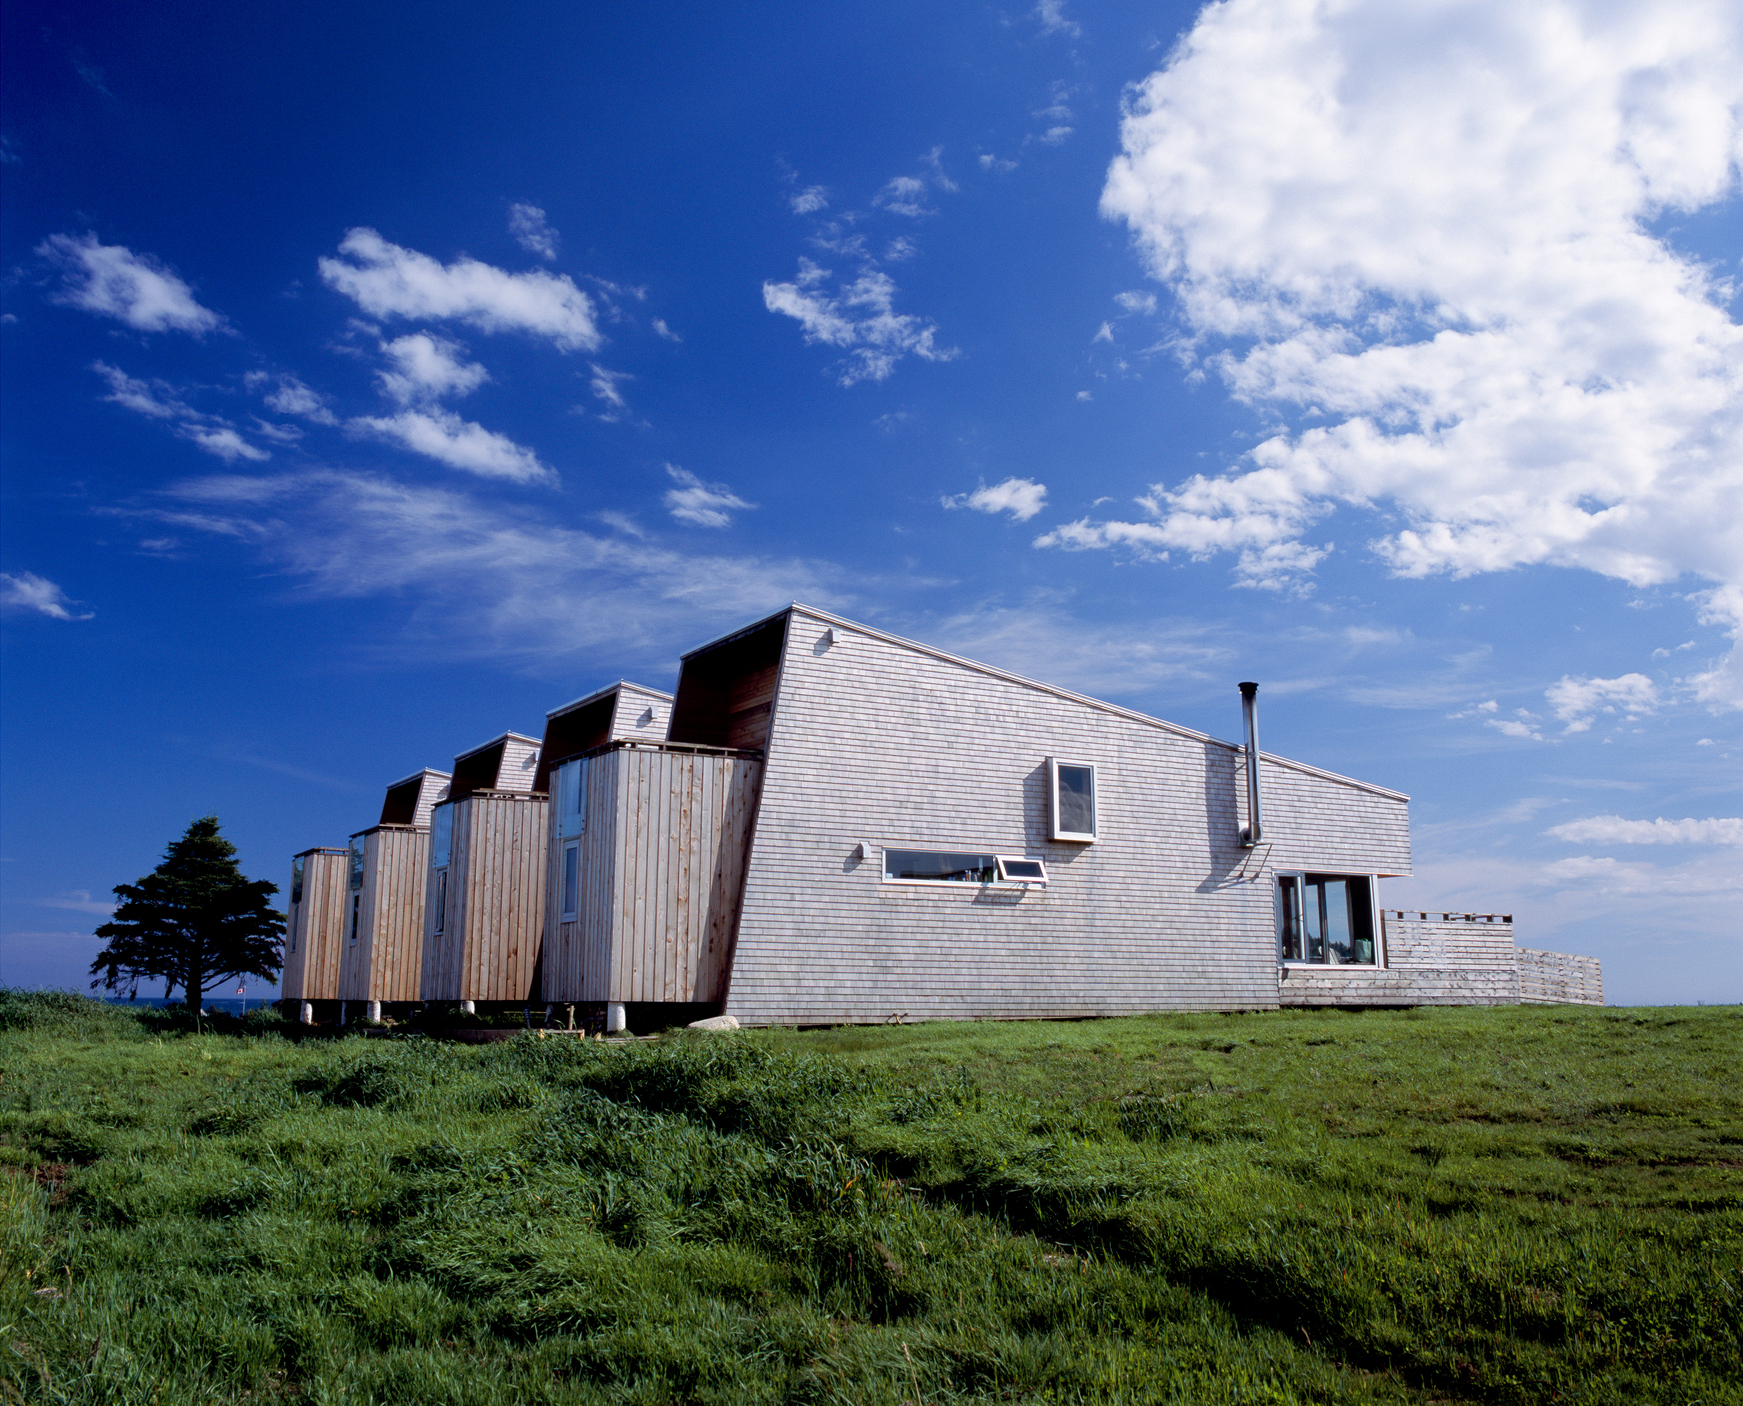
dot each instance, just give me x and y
(701, 504)
(427, 368)
(487, 579)
(1022, 498)
(158, 400)
(1136, 300)
(527, 224)
(1433, 226)
(1614, 830)
(443, 436)
(1578, 701)
(28, 591)
(386, 280)
(859, 317)
(113, 281)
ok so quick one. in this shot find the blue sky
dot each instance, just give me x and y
(376, 380)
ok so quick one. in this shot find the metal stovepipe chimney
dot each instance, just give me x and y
(1254, 830)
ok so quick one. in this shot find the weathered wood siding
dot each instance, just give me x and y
(641, 714)
(1429, 962)
(1560, 979)
(880, 741)
(385, 962)
(492, 924)
(520, 758)
(315, 929)
(661, 872)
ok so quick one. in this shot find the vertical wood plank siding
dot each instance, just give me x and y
(494, 918)
(315, 929)
(386, 961)
(661, 870)
(887, 743)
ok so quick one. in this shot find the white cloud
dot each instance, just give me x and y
(1614, 830)
(604, 385)
(904, 195)
(660, 329)
(1512, 727)
(386, 280)
(484, 578)
(527, 224)
(79, 901)
(223, 441)
(152, 398)
(1053, 19)
(1136, 301)
(1056, 136)
(289, 396)
(1432, 224)
(859, 316)
(427, 368)
(989, 162)
(1104, 333)
(113, 281)
(461, 444)
(1577, 701)
(159, 401)
(28, 591)
(1022, 498)
(701, 504)
(1614, 877)
(1253, 515)
(809, 201)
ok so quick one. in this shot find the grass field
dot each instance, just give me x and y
(1507, 1205)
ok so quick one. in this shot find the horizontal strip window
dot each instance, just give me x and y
(932, 866)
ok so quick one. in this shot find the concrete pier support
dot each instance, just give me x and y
(615, 1019)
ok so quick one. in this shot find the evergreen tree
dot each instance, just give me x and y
(193, 922)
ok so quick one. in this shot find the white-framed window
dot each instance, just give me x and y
(942, 866)
(1017, 869)
(1327, 919)
(1072, 800)
(572, 799)
(571, 879)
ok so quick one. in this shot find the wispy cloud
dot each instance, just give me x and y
(906, 195)
(860, 317)
(113, 281)
(461, 444)
(1022, 498)
(289, 396)
(79, 901)
(386, 280)
(701, 504)
(158, 400)
(531, 231)
(486, 578)
(1614, 830)
(1053, 20)
(603, 384)
(30, 592)
(808, 201)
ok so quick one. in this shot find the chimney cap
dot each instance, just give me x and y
(1248, 689)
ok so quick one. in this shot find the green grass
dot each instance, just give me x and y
(1509, 1205)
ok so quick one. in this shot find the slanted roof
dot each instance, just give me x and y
(826, 617)
(408, 801)
(594, 720)
(492, 765)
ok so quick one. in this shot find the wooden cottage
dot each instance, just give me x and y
(845, 826)
(484, 906)
(388, 874)
(647, 844)
(314, 932)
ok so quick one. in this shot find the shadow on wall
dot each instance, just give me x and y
(1230, 864)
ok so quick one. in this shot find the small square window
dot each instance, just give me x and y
(1071, 797)
(1014, 869)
